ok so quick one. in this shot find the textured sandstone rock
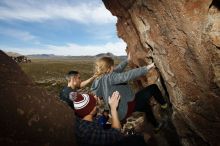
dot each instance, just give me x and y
(182, 37)
(29, 116)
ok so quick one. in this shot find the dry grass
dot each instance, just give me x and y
(50, 73)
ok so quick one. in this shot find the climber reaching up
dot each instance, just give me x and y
(110, 79)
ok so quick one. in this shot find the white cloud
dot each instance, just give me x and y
(18, 34)
(31, 10)
(72, 49)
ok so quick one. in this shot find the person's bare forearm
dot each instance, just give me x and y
(115, 120)
(86, 82)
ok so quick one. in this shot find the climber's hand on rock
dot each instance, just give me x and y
(150, 66)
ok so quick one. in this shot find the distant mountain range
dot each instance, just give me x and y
(43, 56)
(52, 56)
(105, 54)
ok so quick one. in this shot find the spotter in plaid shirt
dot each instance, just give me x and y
(91, 133)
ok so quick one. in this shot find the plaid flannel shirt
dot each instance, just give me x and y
(91, 133)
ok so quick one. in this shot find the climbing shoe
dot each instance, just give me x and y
(164, 106)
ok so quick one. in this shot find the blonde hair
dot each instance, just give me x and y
(103, 65)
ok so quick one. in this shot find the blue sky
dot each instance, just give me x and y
(60, 27)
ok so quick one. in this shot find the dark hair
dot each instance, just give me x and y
(73, 72)
(70, 74)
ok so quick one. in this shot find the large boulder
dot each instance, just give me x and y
(29, 115)
(182, 37)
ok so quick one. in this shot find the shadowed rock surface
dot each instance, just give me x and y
(29, 116)
(183, 39)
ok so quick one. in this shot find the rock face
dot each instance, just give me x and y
(29, 116)
(183, 39)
